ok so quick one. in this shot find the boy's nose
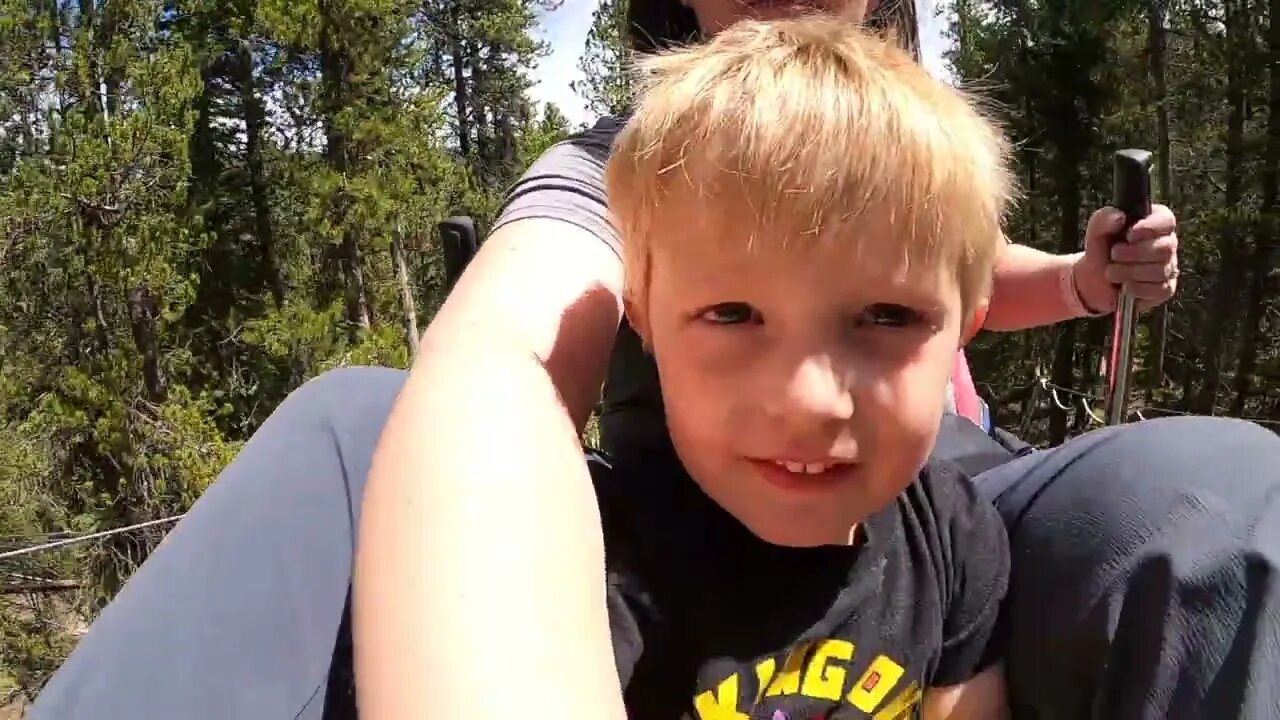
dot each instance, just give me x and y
(815, 393)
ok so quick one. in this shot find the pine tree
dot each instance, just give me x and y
(609, 84)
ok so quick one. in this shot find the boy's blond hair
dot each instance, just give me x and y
(777, 133)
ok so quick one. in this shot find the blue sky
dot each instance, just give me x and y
(565, 30)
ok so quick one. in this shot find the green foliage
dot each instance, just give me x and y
(1074, 81)
(198, 202)
(608, 83)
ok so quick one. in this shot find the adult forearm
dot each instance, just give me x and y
(479, 588)
(1030, 289)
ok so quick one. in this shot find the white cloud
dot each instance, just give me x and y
(565, 31)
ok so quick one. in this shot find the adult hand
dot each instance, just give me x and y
(1148, 262)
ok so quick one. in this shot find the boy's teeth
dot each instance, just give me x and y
(806, 468)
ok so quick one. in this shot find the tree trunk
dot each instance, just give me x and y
(255, 121)
(406, 292)
(1221, 311)
(483, 164)
(1265, 234)
(336, 72)
(461, 99)
(1158, 320)
(143, 315)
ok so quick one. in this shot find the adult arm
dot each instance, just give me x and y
(479, 580)
(983, 697)
(1026, 290)
(1034, 288)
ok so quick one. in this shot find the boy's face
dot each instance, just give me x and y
(803, 389)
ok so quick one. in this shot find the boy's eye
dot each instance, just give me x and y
(889, 315)
(730, 313)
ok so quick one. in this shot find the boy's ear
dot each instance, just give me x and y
(636, 317)
(976, 321)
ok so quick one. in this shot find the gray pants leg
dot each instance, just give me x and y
(239, 612)
(1146, 573)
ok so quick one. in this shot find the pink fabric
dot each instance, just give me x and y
(966, 393)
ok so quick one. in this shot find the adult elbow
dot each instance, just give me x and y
(542, 291)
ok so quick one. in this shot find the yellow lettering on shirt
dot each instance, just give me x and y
(823, 679)
(764, 673)
(875, 683)
(722, 704)
(820, 670)
(788, 681)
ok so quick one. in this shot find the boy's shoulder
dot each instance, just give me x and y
(951, 530)
(944, 499)
(961, 556)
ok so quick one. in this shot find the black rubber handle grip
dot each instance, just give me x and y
(1131, 191)
(459, 243)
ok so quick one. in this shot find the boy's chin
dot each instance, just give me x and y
(790, 534)
(800, 523)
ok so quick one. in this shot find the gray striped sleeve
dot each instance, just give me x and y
(567, 183)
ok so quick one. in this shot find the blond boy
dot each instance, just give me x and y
(810, 228)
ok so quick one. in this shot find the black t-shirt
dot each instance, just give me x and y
(711, 622)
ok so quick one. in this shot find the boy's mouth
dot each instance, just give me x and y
(809, 468)
(804, 475)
